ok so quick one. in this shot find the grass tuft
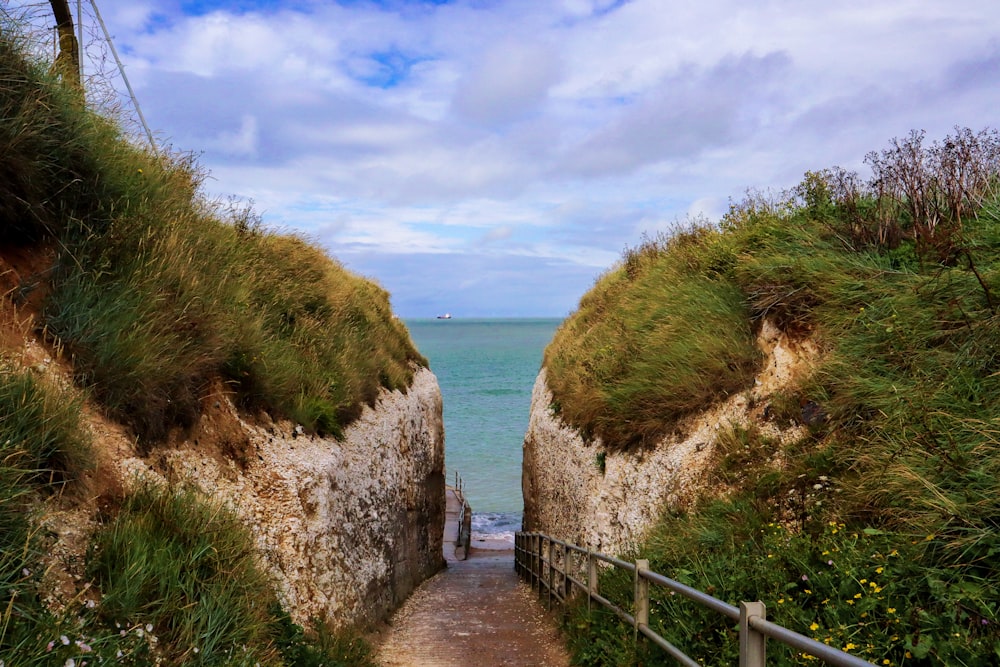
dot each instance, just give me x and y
(157, 291)
(877, 532)
(658, 337)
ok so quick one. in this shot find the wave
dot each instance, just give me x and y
(495, 525)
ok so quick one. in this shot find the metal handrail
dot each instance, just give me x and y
(464, 537)
(540, 567)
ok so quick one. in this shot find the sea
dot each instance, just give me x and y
(486, 369)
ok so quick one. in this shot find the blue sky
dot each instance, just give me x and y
(492, 158)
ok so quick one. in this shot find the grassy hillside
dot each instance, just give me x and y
(155, 291)
(879, 532)
(155, 295)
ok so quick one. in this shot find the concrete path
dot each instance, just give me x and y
(475, 613)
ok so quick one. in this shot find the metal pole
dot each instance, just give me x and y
(752, 650)
(79, 38)
(641, 597)
(551, 576)
(121, 68)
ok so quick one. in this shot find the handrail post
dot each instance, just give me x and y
(551, 573)
(536, 563)
(641, 597)
(592, 578)
(567, 581)
(752, 649)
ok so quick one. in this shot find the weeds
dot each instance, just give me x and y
(877, 532)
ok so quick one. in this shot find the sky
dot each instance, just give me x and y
(493, 157)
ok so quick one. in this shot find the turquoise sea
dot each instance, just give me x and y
(486, 369)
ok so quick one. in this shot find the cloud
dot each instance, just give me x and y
(514, 148)
(690, 111)
(510, 80)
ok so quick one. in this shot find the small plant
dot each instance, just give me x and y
(601, 461)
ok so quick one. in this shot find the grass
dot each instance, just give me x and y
(878, 532)
(41, 448)
(156, 291)
(658, 337)
(171, 577)
(155, 295)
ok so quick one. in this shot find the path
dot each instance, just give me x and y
(474, 613)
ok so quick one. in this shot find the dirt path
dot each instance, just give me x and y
(475, 613)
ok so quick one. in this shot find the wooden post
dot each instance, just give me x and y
(567, 570)
(592, 578)
(641, 596)
(67, 63)
(551, 573)
(536, 552)
(752, 649)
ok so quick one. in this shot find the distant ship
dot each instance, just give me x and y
(446, 316)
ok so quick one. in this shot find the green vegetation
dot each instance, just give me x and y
(40, 446)
(171, 579)
(155, 291)
(654, 340)
(156, 295)
(879, 531)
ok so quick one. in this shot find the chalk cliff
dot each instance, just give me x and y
(608, 500)
(347, 527)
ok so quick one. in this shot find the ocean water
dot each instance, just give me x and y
(486, 369)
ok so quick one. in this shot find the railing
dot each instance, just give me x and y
(464, 538)
(537, 559)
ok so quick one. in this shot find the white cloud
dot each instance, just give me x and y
(540, 136)
(240, 142)
(509, 81)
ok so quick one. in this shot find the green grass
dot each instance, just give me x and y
(879, 530)
(156, 291)
(658, 337)
(156, 295)
(41, 448)
(168, 572)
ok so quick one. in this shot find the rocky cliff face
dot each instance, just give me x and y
(347, 528)
(608, 500)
